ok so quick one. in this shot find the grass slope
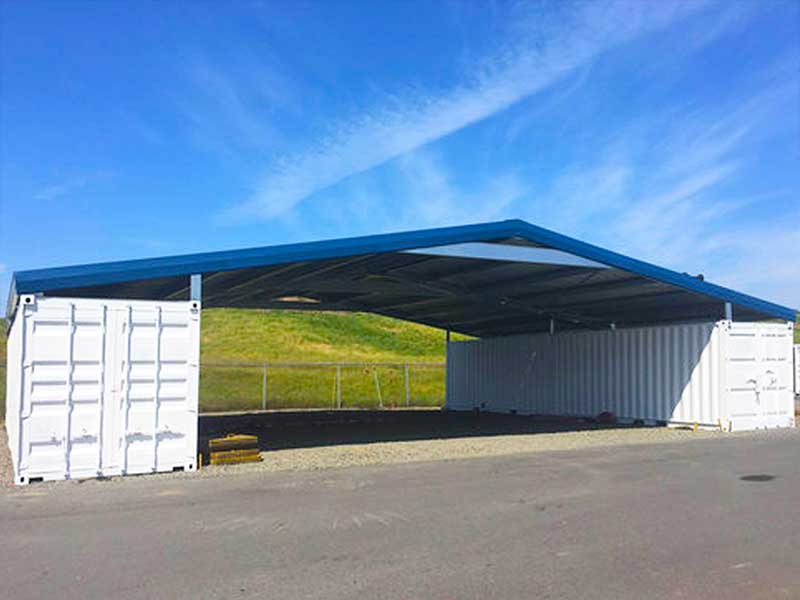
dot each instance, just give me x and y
(234, 335)
(231, 336)
(261, 336)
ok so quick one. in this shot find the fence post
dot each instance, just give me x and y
(264, 389)
(408, 387)
(378, 387)
(338, 386)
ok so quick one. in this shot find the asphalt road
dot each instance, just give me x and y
(639, 522)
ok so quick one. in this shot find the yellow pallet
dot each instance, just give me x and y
(226, 457)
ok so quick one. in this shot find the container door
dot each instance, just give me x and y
(87, 401)
(759, 376)
(775, 394)
(140, 339)
(158, 427)
(177, 389)
(62, 413)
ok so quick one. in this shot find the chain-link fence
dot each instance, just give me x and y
(230, 387)
(248, 386)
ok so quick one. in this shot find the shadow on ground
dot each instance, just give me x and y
(303, 429)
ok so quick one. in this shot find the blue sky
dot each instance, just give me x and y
(669, 131)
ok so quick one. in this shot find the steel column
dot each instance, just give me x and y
(264, 387)
(196, 287)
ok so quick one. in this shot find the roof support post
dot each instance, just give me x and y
(446, 365)
(196, 287)
(728, 311)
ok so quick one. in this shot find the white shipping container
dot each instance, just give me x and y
(102, 387)
(797, 369)
(730, 375)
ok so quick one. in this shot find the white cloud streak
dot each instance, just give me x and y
(51, 192)
(70, 186)
(543, 53)
(419, 189)
(431, 197)
(676, 205)
(58, 190)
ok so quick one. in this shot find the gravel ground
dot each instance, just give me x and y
(335, 446)
(395, 452)
(301, 459)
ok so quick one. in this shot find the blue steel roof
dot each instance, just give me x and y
(378, 266)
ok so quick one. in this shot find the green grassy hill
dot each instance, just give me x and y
(233, 336)
(249, 336)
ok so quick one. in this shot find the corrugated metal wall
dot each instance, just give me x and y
(661, 373)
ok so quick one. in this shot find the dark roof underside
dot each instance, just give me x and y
(477, 296)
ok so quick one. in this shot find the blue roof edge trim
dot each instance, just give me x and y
(652, 271)
(38, 280)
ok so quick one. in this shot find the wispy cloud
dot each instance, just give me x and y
(57, 190)
(763, 259)
(137, 126)
(432, 197)
(229, 106)
(676, 202)
(543, 50)
(70, 185)
(419, 189)
(52, 192)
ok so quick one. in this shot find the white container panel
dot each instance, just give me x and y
(797, 369)
(679, 374)
(759, 375)
(90, 393)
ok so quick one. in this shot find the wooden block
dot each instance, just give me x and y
(233, 442)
